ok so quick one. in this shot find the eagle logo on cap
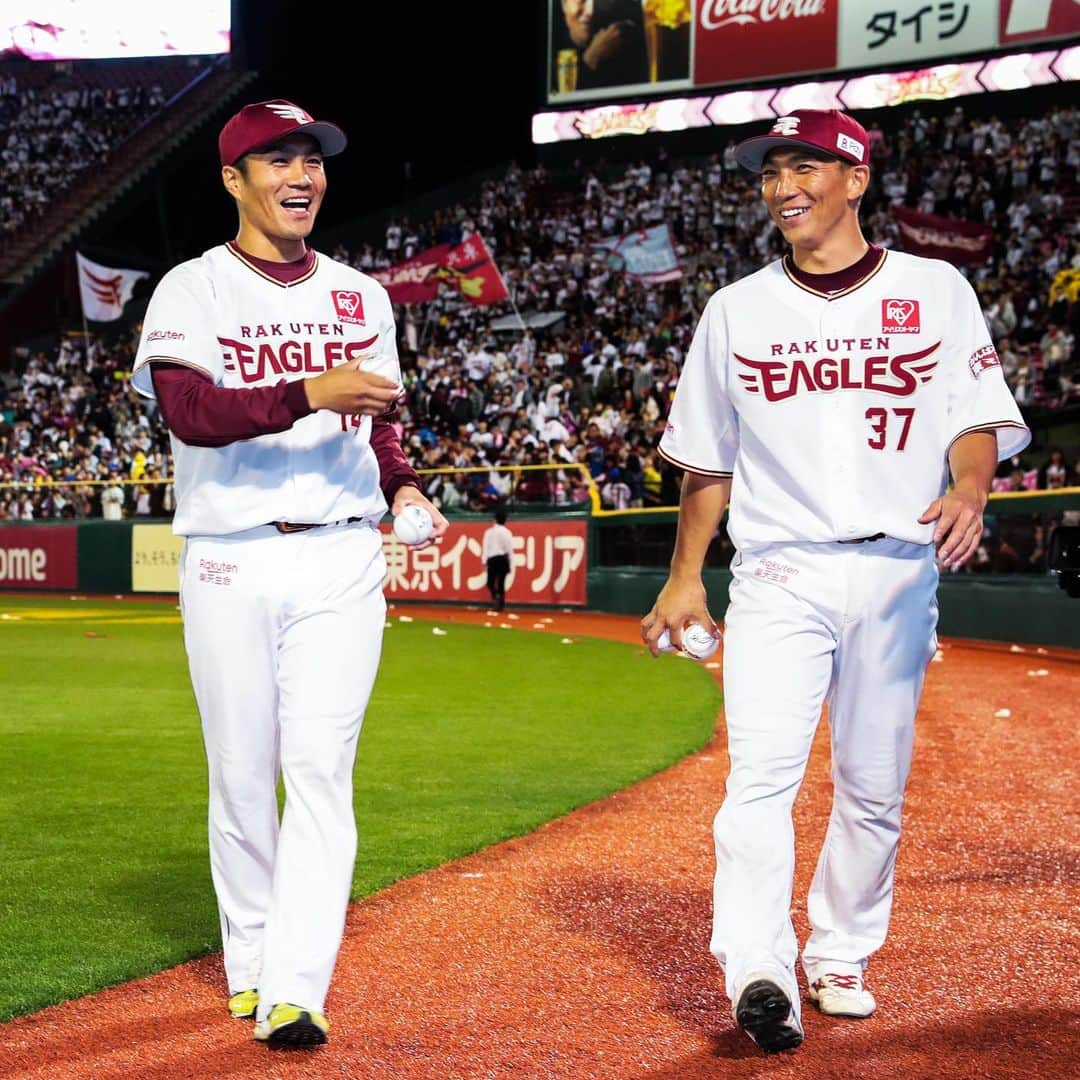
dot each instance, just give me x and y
(290, 112)
(786, 125)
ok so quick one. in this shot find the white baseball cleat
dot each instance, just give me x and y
(764, 1011)
(842, 995)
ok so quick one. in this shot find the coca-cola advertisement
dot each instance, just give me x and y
(610, 49)
(752, 39)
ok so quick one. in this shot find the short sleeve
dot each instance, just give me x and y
(979, 397)
(178, 329)
(702, 434)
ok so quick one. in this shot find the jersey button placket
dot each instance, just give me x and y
(838, 464)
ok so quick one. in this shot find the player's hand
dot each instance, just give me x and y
(407, 495)
(346, 389)
(959, 517)
(606, 43)
(679, 604)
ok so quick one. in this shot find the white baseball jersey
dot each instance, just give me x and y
(834, 413)
(497, 540)
(221, 315)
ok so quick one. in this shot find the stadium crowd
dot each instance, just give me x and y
(593, 387)
(49, 136)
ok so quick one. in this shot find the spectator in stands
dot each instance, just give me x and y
(112, 502)
(1054, 473)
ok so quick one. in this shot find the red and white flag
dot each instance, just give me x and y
(467, 266)
(103, 290)
(470, 267)
(414, 281)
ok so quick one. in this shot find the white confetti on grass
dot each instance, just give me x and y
(489, 625)
(1003, 714)
(438, 631)
(405, 618)
(567, 641)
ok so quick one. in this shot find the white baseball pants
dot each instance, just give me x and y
(283, 635)
(853, 625)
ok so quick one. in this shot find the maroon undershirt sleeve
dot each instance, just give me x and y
(200, 413)
(394, 468)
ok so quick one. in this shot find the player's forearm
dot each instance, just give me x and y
(395, 470)
(973, 461)
(199, 413)
(701, 507)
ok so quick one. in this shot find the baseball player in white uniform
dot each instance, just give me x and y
(276, 370)
(830, 395)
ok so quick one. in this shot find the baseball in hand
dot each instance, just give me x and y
(413, 525)
(698, 643)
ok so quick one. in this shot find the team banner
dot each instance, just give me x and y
(467, 266)
(612, 48)
(963, 243)
(155, 559)
(103, 290)
(414, 281)
(43, 557)
(648, 255)
(548, 564)
(470, 268)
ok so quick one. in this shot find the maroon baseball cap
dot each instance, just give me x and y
(828, 130)
(267, 121)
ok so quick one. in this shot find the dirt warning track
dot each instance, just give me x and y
(581, 950)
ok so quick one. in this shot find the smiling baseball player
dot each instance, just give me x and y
(830, 395)
(276, 371)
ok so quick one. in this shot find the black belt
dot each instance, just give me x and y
(303, 526)
(863, 539)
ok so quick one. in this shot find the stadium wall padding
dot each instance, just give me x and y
(1022, 609)
(105, 556)
(1025, 610)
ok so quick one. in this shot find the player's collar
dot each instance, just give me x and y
(283, 274)
(841, 282)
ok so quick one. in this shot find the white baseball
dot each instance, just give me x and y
(413, 525)
(697, 642)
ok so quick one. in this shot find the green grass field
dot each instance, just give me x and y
(104, 875)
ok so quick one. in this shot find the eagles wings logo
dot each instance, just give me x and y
(898, 376)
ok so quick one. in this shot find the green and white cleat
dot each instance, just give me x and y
(243, 1003)
(291, 1027)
